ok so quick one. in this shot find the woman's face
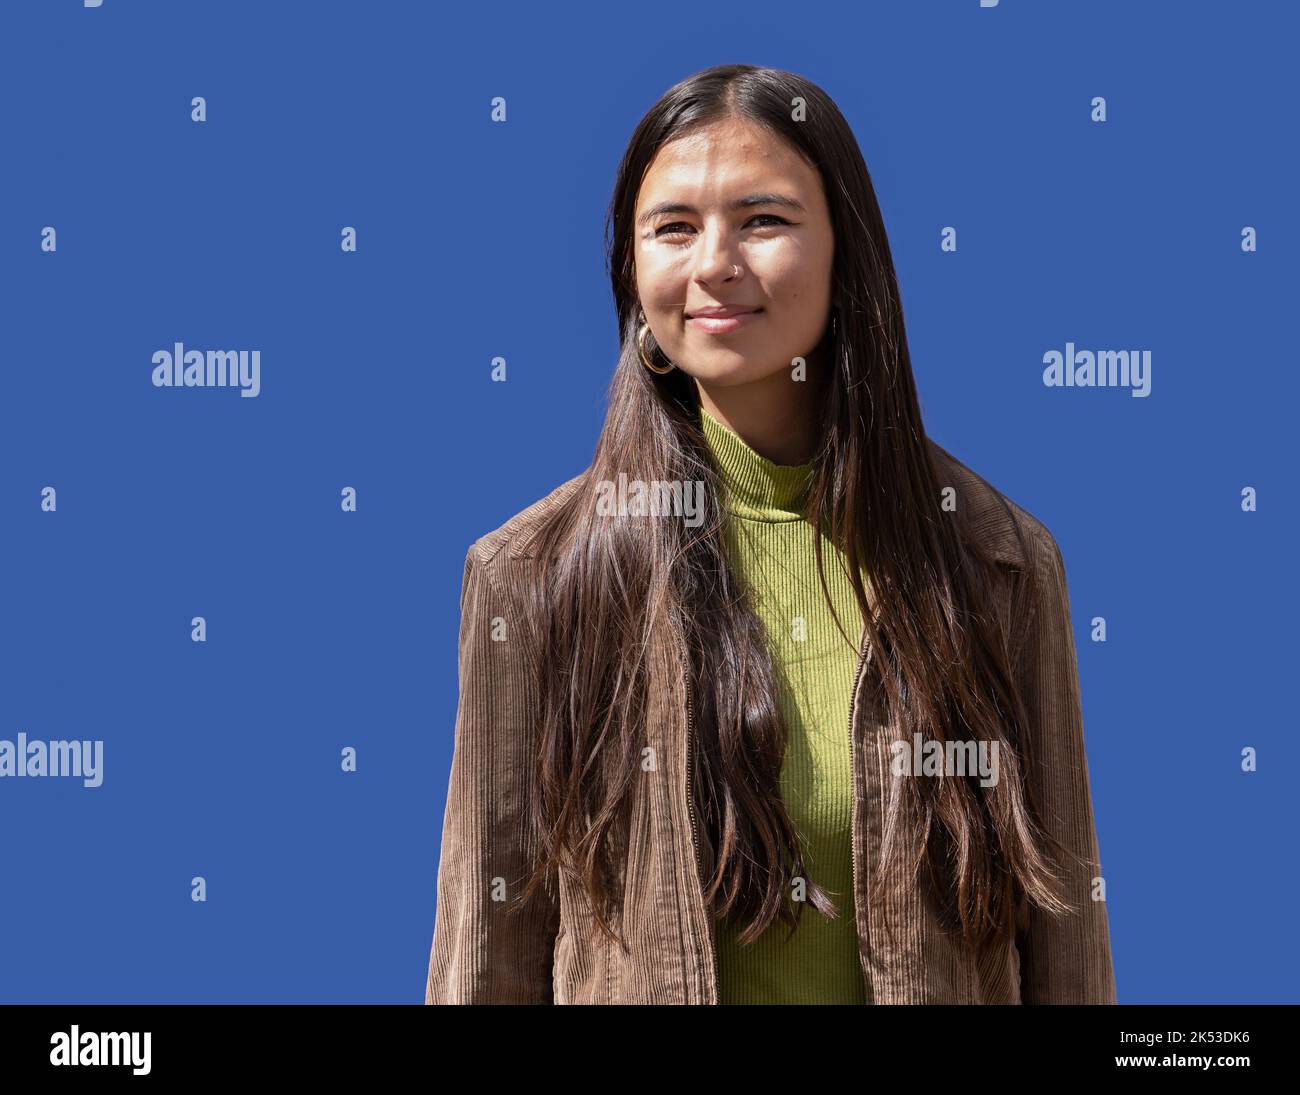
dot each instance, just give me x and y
(691, 231)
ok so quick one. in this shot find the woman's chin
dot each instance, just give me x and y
(730, 370)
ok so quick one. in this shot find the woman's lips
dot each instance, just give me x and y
(720, 325)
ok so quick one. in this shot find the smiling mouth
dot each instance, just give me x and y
(723, 315)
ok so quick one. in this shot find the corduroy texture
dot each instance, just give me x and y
(485, 951)
(770, 549)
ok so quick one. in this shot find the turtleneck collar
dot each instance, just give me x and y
(756, 488)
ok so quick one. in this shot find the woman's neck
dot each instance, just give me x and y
(772, 416)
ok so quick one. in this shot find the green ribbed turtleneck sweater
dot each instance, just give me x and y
(770, 549)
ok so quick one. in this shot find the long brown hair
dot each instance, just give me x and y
(607, 584)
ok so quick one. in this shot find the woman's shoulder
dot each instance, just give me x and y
(513, 538)
(1006, 529)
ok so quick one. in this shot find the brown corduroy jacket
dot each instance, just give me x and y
(550, 952)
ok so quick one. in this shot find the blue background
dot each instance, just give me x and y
(328, 629)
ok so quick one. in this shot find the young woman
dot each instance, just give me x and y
(816, 740)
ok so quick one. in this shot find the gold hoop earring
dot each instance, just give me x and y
(640, 345)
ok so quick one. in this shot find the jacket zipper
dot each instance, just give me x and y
(690, 806)
(853, 824)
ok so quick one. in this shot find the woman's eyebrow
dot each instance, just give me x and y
(783, 200)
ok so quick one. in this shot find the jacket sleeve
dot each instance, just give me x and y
(485, 952)
(1064, 959)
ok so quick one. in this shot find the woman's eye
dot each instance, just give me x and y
(678, 228)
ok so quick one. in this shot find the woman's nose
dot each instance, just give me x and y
(716, 256)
